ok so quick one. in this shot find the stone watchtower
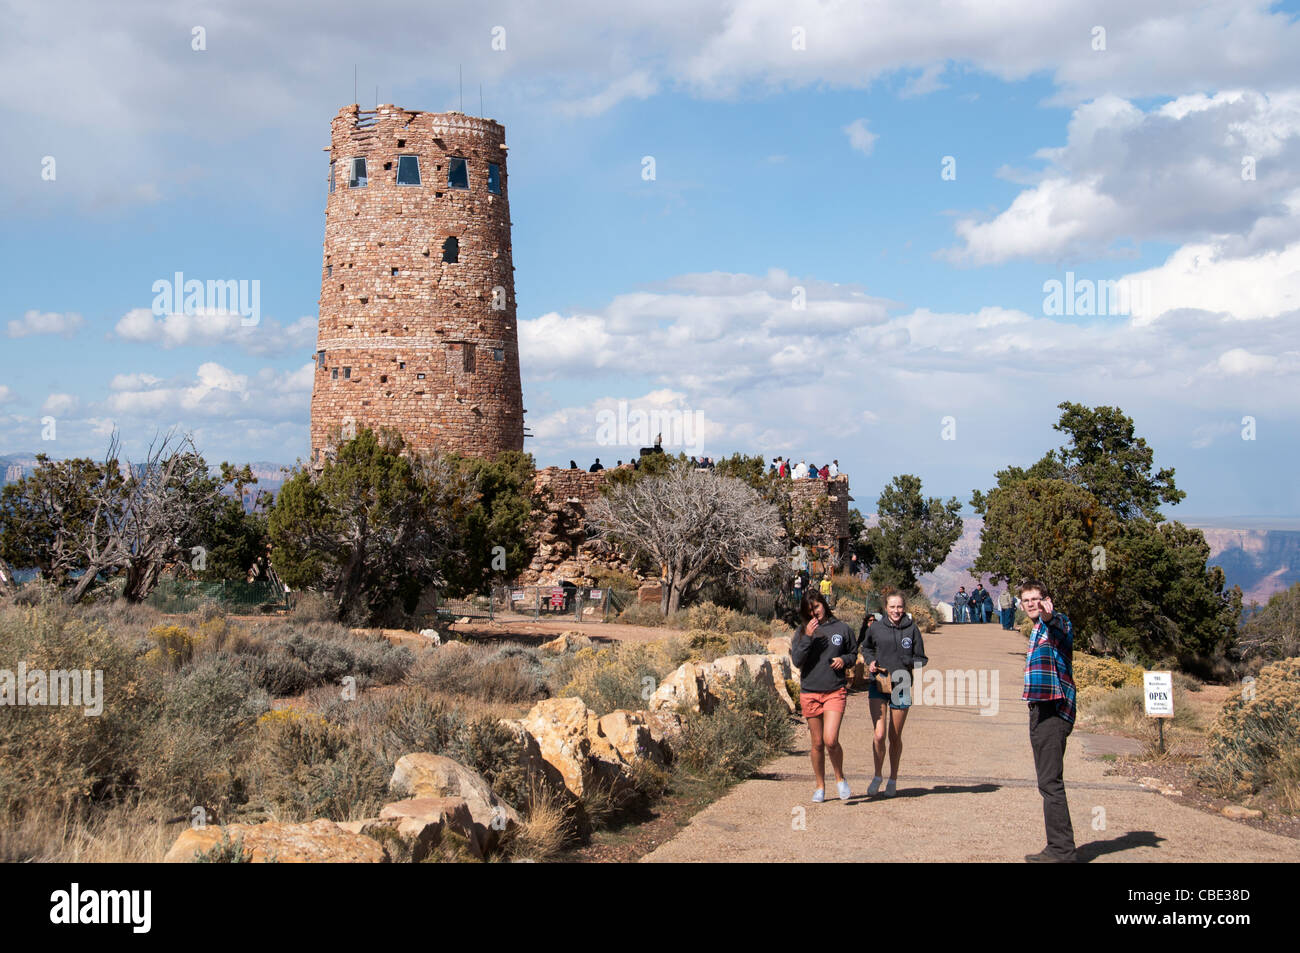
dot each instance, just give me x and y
(417, 306)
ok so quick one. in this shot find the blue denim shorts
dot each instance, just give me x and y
(900, 700)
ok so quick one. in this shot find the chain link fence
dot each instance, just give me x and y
(186, 595)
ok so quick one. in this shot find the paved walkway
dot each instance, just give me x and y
(966, 791)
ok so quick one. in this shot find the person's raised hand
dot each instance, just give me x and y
(812, 626)
(1047, 606)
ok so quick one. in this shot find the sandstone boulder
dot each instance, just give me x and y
(319, 841)
(631, 735)
(421, 821)
(424, 775)
(566, 641)
(779, 645)
(683, 690)
(695, 686)
(560, 727)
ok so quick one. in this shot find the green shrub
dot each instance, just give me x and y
(227, 852)
(622, 675)
(743, 731)
(1092, 670)
(1255, 741)
(305, 767)
(55, 754)
(509, 674)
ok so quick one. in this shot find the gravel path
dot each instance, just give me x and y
(966, 791)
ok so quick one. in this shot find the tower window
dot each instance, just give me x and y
(334, 373)
(320, 360)
(498, 354)
(401, 365)
(457, 174)
(394, 272)
(469, 358)
(451, 250)
(357, 178)
(332, 163)
(419, 377)
(329, 271)
(408, 170)
(494, 178)
(347, 373)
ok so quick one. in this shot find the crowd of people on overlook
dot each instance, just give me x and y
(780, 466)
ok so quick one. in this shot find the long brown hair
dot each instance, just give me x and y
(811, 597)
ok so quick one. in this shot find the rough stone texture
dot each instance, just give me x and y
(834, 525)
(388, 299)
(434, 775)
(565, 641)
(694, 686)
(420, 821)
(320, 841)
(563, 552)
(633, 736)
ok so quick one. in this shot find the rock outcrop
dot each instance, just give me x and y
(319, 841)
(694, 686)
(423, 776)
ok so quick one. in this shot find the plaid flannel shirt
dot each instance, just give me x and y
(1049, 665)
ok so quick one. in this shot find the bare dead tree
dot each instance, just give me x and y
(142, 512)
(693, 524)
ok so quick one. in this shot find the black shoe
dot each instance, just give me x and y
(1043, 857)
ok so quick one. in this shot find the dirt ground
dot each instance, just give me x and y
(966, 791)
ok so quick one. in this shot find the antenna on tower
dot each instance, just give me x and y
(460, 78)
(376, 97)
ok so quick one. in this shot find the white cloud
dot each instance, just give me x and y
(1240, 361)
(1125, 175)
(126, 77)
(861, 139)
(1203, 277)
(928, 81)
(48, 322)
(60, 405)
(5, 394)
(724, 344)
(205, 328)
(216, 392)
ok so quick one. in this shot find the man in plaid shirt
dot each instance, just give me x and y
(1049, 689)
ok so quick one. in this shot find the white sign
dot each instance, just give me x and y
(1158, 689)
(594, 595)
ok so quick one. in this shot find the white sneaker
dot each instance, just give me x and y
(843, 789)
(819, 795)
(874, 787)
(891, 788)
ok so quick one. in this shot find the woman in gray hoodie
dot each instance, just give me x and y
(892, 646)
(823, 649)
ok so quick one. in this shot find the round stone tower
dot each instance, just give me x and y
(417, 306)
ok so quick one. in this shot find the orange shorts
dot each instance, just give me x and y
(813, 704)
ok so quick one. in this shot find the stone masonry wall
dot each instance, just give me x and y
(834, 529)
(405, 339)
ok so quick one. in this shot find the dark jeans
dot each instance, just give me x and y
(1047, 734)
(1008, 617)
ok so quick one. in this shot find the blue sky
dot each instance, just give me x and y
(776, 168)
